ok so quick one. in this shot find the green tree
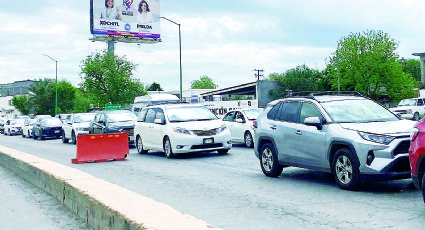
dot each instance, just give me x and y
(107, 79)
(412, 67)
(20, 103)
(301, 78)
(367, 62)
(204, 82)
(154, 87)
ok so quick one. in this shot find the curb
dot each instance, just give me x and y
(103, 205)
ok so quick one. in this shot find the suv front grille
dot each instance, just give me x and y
(402, 147)
(210, 132)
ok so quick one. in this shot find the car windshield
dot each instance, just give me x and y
(407, 102)
(52, 122)
(80, 118)
(183, 114)
(253, 113)
(17, 122)
(121, 117)
(357, 111)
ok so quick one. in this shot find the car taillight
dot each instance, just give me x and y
(254, 123)
(414, 133)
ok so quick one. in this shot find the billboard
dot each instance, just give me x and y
(128, 18)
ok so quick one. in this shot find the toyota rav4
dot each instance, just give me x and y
(348, 135)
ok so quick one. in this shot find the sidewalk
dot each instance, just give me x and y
(24, 206)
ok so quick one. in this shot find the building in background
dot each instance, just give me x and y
(7, 91)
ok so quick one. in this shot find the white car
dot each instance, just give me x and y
(27, 127)
(13, 126)
(241, 125)
(412, 108)
(180, 128)
(74, 125)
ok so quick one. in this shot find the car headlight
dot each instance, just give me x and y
(414, 133)
(79, 129)
(182, 131)
(409, 111)
(221, 129)
(382, 139)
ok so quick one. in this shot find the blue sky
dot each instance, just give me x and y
(225, 40)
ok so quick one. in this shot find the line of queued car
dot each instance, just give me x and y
(348, 135)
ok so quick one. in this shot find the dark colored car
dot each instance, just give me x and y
(114, 121)
(47, 127)
(417, 156)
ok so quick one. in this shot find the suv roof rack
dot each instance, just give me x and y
(310, 94)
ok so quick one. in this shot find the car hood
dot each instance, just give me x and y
(400, 127)
(81, 125)
(199, 125)
(123, 124)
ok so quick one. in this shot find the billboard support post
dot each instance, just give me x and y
(111, 46)
(180, 48)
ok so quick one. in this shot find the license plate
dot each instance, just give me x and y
(208, 140)
(57, 131)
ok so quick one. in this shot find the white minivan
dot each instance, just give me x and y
(153, 99)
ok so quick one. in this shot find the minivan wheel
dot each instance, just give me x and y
(345, 171)
(248, 140)
(167, 148)
(73, 138)
(269, 162)
(139, 145)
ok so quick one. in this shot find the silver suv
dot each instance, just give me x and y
(348, 135)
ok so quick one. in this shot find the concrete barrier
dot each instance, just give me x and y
(102, 204)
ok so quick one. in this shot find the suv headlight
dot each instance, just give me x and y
(221, 129)
(115, 129)
(409, 111)
(382, 139)
(182, 131)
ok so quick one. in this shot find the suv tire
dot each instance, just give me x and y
(345, 170)
(416, 116)
(64, 139)
(423, 187)
(269, 162)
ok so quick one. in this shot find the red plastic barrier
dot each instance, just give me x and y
(101, 147)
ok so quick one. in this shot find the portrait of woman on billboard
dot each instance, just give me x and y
(145, 15)
(110, 12)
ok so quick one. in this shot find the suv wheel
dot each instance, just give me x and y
(345, 171)
(269, 162)
(64, 139)
(167, 148)
(416, 116)
(139, 145)
(248, 140)
(423, 187)
(73, 138)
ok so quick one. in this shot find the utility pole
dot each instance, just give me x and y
(258, 75)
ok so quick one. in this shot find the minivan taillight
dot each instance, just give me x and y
(254, 123)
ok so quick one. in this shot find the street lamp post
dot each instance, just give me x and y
(180, 48)
(56, 84)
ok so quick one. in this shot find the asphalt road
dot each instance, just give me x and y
(230, 191)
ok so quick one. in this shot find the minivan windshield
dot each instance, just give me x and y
(357, 111)
(121, 117)
(183, 114)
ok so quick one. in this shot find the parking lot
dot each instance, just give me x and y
(231, 192)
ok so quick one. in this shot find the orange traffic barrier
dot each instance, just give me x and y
(101, 147)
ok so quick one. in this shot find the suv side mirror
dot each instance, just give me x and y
(313, 121)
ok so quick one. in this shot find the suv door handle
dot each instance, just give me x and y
(273, 127)
(298, 132)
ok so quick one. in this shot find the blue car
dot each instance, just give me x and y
(47, 127)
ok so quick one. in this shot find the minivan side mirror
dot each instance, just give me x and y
(313, 121)
(159, 121)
